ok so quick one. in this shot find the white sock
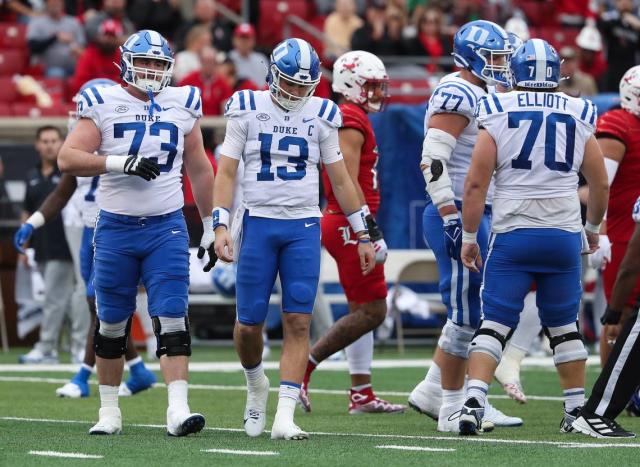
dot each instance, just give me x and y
(87, 367)
(178, 396)
(254, 376)
(478, 389)
(108, 396)
(133, 361)
(361, 387)
(433, 375)
(287, 400)
(452, 397)
(360, 355)
(573, 398)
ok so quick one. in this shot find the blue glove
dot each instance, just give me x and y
(22, 236)
(453, 238)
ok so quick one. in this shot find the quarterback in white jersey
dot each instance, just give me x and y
(482, 50)
(536, 140)
(281, 135)
(143, 130)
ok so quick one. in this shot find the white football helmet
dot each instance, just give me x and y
(356, 75)
(630, 90)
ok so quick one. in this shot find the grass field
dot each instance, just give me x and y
(32, 420)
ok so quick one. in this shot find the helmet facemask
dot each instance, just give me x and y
(374, 94)
(287, 100)
(496, 66)
(147, 79)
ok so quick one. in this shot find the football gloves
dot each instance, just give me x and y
(377, 241)
(142, 167)
(22, 236)
(611, 316)
(453, 237)
(206, 243)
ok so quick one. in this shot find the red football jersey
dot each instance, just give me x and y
(355, 117)
(625, 189)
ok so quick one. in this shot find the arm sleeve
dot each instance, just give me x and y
(235, 138)
(330, 146)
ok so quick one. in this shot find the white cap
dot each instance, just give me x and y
(589, 39)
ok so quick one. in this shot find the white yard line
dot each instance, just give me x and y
(220, 387)
(206, 367)
(455, 439)
(74, 455)
(242, 453)
(414, 448)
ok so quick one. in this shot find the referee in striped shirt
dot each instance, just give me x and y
(620, 376)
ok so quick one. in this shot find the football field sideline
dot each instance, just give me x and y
(455, 439)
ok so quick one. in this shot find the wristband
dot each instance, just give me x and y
(219, 216)
(366, 210)
(469, 237)
(592, 228)
(356, 221)
(115, 163)
(36, 220)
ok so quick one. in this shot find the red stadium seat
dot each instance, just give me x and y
(12, 61)
(22, 109)
(272, 18)
(13, 36)
(5, 109)
(8, 93)
(408, 91)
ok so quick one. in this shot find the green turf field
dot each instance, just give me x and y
(32, 419)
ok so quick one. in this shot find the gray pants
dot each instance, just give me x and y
(58, 287)
(79, 312)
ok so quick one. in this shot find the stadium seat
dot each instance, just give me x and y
(22, 109)
(273, 14)
(8, 93)
(5, 109)
(12, 61)
(408, 91)
(13, 36)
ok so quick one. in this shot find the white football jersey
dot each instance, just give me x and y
(84, 199)
(127, 128)
(540, 139)
(457, 96)
(281, 151)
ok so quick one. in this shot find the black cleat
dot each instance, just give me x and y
(471, 417)
(599, 427)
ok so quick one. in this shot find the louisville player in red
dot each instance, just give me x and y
(618, 133)
(361, 79)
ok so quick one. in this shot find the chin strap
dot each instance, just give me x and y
(153, 106)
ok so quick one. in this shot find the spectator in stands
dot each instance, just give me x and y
(620, 29)
(589, 44)
(249, 63)
(51, 250)
(12, 10)
(382, 32)
(229, 74)
(163, 16)
(431, 42)
(188, 60)
(339, 26)
(214, 89)
(56, 40)
(204, 12)
(574, 13)
(114, 10)
(574, 82)
(99, 58)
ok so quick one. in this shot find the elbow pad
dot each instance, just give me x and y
(436, 152)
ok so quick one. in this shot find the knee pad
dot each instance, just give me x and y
(566, 343)
(110, 339)
(172, 335)
(491, 338)
(455, 339)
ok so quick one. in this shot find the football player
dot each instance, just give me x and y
(536, 225)
(361, 78)
(84, 190)
(142, 132)
(482, 50)
(281, 135)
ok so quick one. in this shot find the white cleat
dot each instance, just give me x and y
(287, 430)
(255, 412)
(124, 391)
(497, 418)
(71, 390)
(449, 418)
(184, 424)
(109, 422)
(426, 398)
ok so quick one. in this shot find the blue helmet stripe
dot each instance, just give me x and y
(497, 102)
(97, 94)
(192, 92)
(305, 54)
(541, 59)
(252, 101)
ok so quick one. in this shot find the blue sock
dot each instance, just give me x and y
(83, 374)
(136, 365)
